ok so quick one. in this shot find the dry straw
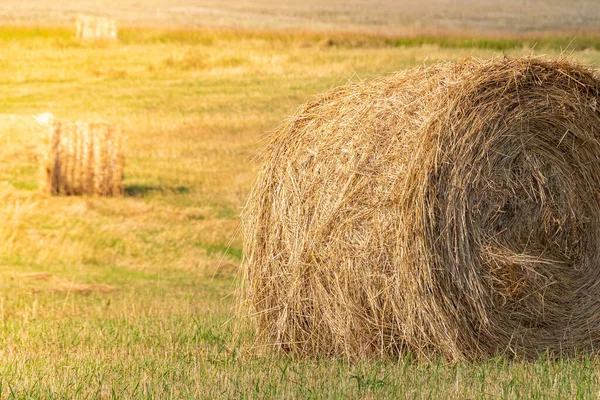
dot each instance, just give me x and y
(89, 27)
(84, 158)
(453, 209)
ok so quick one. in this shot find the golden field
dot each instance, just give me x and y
(135, 296)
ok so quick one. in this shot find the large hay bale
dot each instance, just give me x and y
(84, 158)
(453, 209)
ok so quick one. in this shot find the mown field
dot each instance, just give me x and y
(384, 16)
(135, 296)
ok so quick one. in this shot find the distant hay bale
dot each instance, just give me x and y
(90, 27)
(447, 210)
(84, 158)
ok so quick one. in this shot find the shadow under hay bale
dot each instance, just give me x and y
(145, 190)
(453, 209)
(84, 158)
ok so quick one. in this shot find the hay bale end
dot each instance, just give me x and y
(83, 158)
(90, 27)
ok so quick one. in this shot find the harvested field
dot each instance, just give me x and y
(131, 296)
(445, 210)
(383, 16)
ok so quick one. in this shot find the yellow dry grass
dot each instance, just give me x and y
(53, 284)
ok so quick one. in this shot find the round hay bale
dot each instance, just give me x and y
(453, 209)
(83, 158)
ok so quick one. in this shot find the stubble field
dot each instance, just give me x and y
(135, 296)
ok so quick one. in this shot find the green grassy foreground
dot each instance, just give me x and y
(134, 296)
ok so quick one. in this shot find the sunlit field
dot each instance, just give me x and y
(404, 16)
(136, 296)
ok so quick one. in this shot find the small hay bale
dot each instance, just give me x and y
(89, 27)
(84, 158)
(447, 210)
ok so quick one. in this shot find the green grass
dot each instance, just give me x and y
(62, 37)
(135, 296)
(556, 43)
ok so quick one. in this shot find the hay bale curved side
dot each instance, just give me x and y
(84, 158)
(451, 209)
